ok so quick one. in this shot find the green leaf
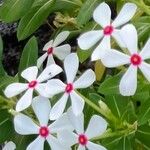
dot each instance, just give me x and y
(13, 10)
(33, 19)
(29, 55)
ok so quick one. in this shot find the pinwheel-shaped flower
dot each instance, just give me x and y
(34, 83)
(97, 126)
(9, 146)
(55, 86)
(25, 126)
(102, 15)
(114, 58)
(52, 48)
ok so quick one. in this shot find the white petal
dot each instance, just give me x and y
(130, 38)
(145, 68)
(81, 147)
(50, 60)
(49, 72)
(114, 58)
(77, 103)
(37, 144)
(41, 107)
(55, 86)
(9, 146)
(99, 52)
(102, 14)
(15, 89)
(71, 65)
(40, 88)
(48, 45)
(62, 51)
(30, 73)
(25, 100)
(99, 124)
(128, 83)
(76, 121)
(145, 53)
(85, 80)
(61, 37)
(89, 39)
(93, 146)
(41, 60)
(24, 125)
(125, 15)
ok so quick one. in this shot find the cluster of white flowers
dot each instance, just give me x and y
(63, 129)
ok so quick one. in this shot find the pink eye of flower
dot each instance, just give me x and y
(69, 87)
(82, 139)
(135, 59)
(50, 51)
(44, 132)
(108, 30)
(32, 84)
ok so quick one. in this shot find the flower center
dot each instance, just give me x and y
(44, 132)
(69, 87)
(135, 59)
(32, 84)
(50, 51)
(82, 139)
(108, 30)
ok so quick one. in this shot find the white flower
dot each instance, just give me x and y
(55, 86)
(102, 15)
(97, 126)
(34, 83)
(9, 146)
(52, 48)
(114, 58)
(25, 126)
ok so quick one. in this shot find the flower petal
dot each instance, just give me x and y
(145, 53)
(37, 144)
(102, 14)
(89, 39)
(61, 37)
(128, 83)
(40, 88)
(24, 125)
(114, 58)
(93, 146)
(145, 68)
(59, 107)
(71, 64)
(41, 60)
(49, 72)
(99, 124)
(15, 89)
(130, 38)
(85, 80)
(25, 100)
(81, 147)
(62, 51)
(77, 103)
(48, 45)
(50, 60)
(125, 15)
(9, 146)
(41, 107)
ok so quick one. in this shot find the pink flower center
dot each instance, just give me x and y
(108, 30)
(69, 87)
(50, 51)
(44, 132)
(32, 84)
(82, 139)
(135, 59)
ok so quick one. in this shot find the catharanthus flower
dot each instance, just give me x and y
(9, 146)
(26, 126)
(34, 83)
(97, 126)
(114, 58)
(56, 86)
(102, 15)
(53, 48)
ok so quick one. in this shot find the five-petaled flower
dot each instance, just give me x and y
(34, 83)
(114, 58)
(52, 48)
(56, 86)
(26, 126)
(102, 15)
